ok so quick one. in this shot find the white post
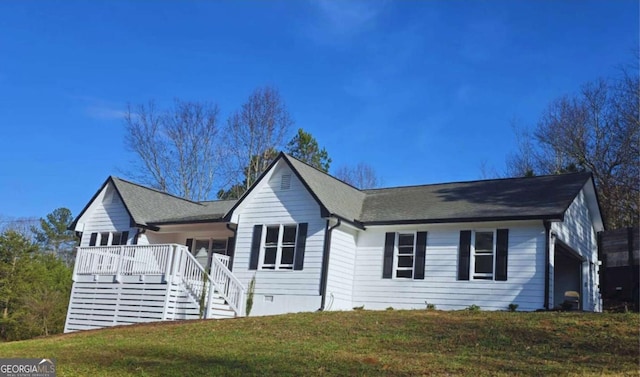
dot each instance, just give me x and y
(75, 265)
(168, 278)
(119, 268)
(207, 310)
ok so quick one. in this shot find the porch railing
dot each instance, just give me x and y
(123, 260)
(170, 260)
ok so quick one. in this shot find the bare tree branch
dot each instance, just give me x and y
(177, 149)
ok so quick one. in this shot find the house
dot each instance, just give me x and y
(311, 242)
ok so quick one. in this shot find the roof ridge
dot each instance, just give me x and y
(155, 190)
(323, 172)
(367, 191)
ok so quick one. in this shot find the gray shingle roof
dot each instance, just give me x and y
(545, 197)
(148, 206)
(337, 197)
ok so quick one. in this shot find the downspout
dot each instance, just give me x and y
(547, 261)
(325, 262)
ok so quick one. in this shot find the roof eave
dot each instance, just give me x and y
(452, 220)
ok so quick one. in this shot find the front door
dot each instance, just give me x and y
(205, 248)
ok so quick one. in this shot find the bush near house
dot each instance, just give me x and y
(391, 343)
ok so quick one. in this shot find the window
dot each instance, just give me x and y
(483, 255)
(104, 239)
(279, 247)
(109, 238)
(483, 252)
(404, 255)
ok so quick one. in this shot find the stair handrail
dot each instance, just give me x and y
(225, 283)
(228, 285)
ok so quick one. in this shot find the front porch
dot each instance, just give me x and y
(115, 285)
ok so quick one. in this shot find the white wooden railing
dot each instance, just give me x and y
(123, 260)
(170, 260)
(227, 284)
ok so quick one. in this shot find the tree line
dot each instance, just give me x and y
(597, 130)
(186, 151)
(35, 276)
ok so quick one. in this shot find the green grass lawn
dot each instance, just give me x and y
(392, 343)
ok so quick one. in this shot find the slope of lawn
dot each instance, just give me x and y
(392, 343)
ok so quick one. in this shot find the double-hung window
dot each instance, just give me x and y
(404, 255)
(483, 255)
(279, 247)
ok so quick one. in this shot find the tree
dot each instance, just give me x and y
(596, 130)
(54, 236)
(251, 136)
(15, 249)
(34, 289)
(263, 161)
(176, 148)
(362, 176)
(305, 147)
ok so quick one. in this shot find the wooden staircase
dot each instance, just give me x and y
(118, 285)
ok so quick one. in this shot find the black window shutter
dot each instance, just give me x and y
(301, 242)
(255, 247)
(502, 246)
(464, 255)
(124, 238)
(93, 239)
(387, 267)
(231, 248)
(421, 252)
(189, 244)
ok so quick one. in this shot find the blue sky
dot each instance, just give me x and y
(424, 91)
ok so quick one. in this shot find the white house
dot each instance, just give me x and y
(311, 242)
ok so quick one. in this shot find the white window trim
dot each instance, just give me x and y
(278, 266)
(396, 251)
(472, 262)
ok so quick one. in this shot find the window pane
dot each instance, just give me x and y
(484, 242)
(405, 261)
(116, 239)
(199, 245)
(287, 255)
(405, 250)
(219, 246)
(270, 255)
(272, 235)
(404, 273)
(104, 239)
(405, 240)
(484, 264)
(289, 235)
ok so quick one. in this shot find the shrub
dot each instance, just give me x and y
(473, 308)
(430, 306)
(513, 307)
(250, 291)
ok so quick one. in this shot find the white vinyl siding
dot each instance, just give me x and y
(106, 216)
(341, 270)
(577, 232)
(289, 290)
(440, 286)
